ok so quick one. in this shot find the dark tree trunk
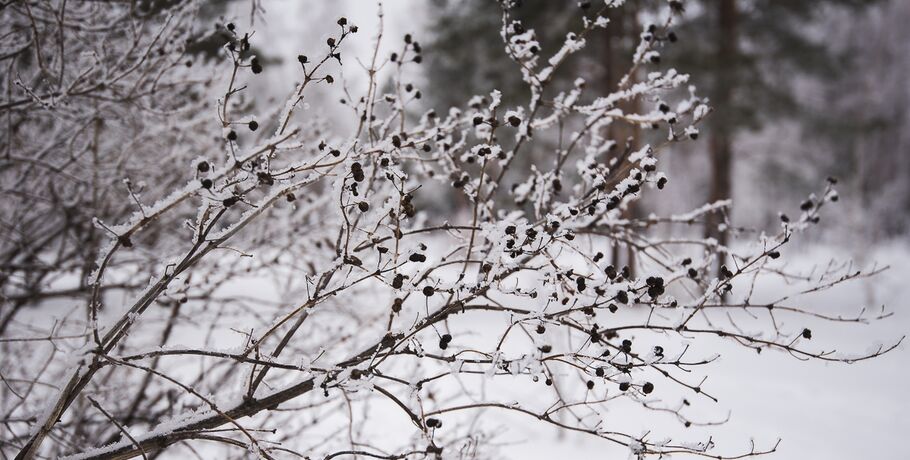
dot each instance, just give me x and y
(721, 127)
(623, 26)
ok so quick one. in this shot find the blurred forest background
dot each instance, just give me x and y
(802, 90)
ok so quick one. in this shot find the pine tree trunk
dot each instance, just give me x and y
(623, 25)
(721, 128)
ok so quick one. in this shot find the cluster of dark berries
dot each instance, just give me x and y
(626, 346)
(407, 206)
(203, 167)
(655, 286)
(265, 178)
(412, 44)
(580, 283)
(408, 40)
(243, 42)
(652, 31)
(445, 340)
(357, 172)
(230, 201)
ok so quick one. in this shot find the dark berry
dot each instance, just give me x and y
(398, 281)
(255, 66)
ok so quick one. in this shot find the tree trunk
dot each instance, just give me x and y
(721, 144)
(623, 25)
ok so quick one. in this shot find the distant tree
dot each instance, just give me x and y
(861, 125)
(752, 53)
